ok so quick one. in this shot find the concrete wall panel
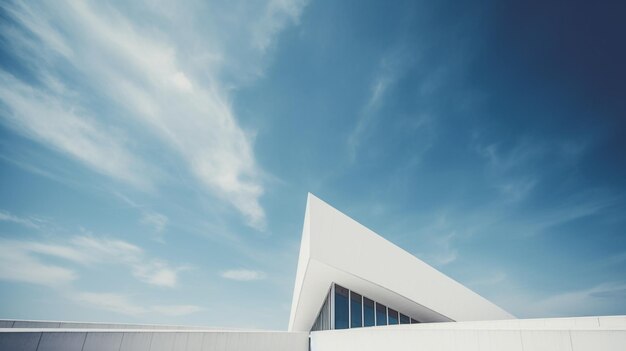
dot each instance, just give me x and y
(466, 340)
(505, 340)
(541, 340)
(180, 341)
(194, 341)
(612, 321)
(163, 342)
(19, 341)
(63, 341)
(103, 341)
(609, 340)
(469, 340)
(139, 341)
(214, 342)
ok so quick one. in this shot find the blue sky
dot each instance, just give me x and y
(155, 157)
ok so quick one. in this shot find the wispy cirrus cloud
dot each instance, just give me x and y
(30, 222)
(25, 260)
(598, 299)
(157, 222)
(18, 264)
(243, 274)
(440, 236)
(176, 310)
(148, 270)
(123, 304)
(152, 86)
(517, 168)
(58, 264)
(387, 74)
(274, 17)
(49, 119)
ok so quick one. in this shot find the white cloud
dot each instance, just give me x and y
(181, 81)
(439, 236)
(22, 260)
(64, 127)
(368, 115)
(159, 83)
(273, 19)
(106, 250)
(25, 221)
(517, 189)
(111, 302)
(516, 170)
(157, 221)
(445, 252)
(243, 274)
(600, 299)
(17, 263)
(150, 271)
(176, 310)
(123, 304)
(390, 68)
(156, 272)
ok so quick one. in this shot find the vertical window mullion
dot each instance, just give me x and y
(362, 312)
(332, 307)
(349, 309)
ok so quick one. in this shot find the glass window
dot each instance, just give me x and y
(341, 308)
(381, 314)
(404, 319)
(355, 310)
(368, 312)
(413, 321)
(323, 318)
(393, 316)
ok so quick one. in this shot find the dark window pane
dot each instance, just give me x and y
(413, 321)
(341, 307)
(368, 312)
(323, 319)
(381, 314)
(404, 319)
(393, 316)
(355, 310)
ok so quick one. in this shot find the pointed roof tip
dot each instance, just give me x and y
(310, 195)
(314, 198)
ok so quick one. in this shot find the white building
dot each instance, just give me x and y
(345, 299)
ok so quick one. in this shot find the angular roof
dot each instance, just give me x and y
(336, 248)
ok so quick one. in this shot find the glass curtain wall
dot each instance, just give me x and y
(369, 316)
(324, 319)
(343, 309)
(393, 316)
(381, 314)
(356, 311)
(404, 319)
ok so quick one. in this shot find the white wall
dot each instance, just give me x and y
(17, 339)
(558, 334)
(10, 323)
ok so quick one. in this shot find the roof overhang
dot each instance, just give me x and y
(335, 248)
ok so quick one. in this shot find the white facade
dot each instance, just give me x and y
(145, 338)
(340, 256)
(335, 248)
(551, 334)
